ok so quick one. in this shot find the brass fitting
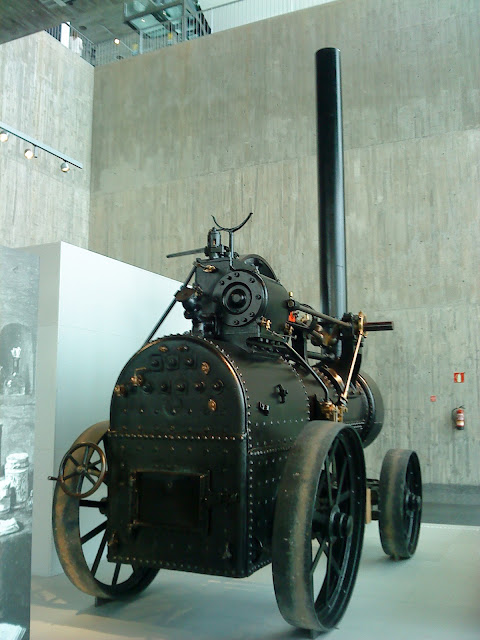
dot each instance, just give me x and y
(120, 390)
(264, 322)
(332, 412)
(288, 329)
(360, 323)
(137, 380)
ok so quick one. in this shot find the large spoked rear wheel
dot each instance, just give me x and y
(319, 525)
(79, 524)
(400, 503)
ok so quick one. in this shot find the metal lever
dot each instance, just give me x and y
(293, 305)
(169, 308)
(385, 325)
(190, 252)
(342, 401)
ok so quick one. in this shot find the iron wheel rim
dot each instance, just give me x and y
(319, 526)
(71, 540)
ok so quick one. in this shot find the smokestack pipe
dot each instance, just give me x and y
(333, 268)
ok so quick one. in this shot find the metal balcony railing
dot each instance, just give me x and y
(168, 32)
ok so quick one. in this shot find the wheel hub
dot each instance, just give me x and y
(413, 502)
(340, 525)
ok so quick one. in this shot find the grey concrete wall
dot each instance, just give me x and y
(46, 93)
(226, 124)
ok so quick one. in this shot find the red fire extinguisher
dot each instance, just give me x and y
(458, 415)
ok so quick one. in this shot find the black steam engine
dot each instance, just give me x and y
(241, 442)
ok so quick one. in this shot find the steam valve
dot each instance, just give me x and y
(458, 416)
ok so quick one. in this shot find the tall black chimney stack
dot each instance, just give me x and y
(333, 277)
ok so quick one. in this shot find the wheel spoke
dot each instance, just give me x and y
(335, 566)
(116, 573)
(333, 573)
(79, 483)
(75, 462)
(85, 455)
(333, 450)
(344, 496)
(70, 475)
(334, 466)
(94, 532)
(98, 557)
(87, 475)
(329, 483)
(321, 486)
(329, 566)
(409, 528)
(318, 555)
(341, 480)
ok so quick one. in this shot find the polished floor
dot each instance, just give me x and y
(433, 596)
(446, 513)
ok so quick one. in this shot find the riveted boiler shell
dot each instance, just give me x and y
(189, 387)
(198, 437)
(177, 460)
(178, 387)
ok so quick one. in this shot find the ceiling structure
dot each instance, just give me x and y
(97, 20)
(24, 17)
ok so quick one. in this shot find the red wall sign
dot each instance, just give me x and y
(459, 376)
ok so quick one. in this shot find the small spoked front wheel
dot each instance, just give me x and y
(400, 503)
(319, 525)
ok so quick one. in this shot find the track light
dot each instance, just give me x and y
(31, 151)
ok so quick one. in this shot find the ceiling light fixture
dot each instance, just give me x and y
(116, 41)
(31, 152)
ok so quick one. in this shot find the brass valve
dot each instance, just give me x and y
(120, 390)
(137, 380)
(332, 411)
(264, 322)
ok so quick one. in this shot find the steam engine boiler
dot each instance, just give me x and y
(237, 445)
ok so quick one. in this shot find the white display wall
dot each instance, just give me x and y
(94, 314)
